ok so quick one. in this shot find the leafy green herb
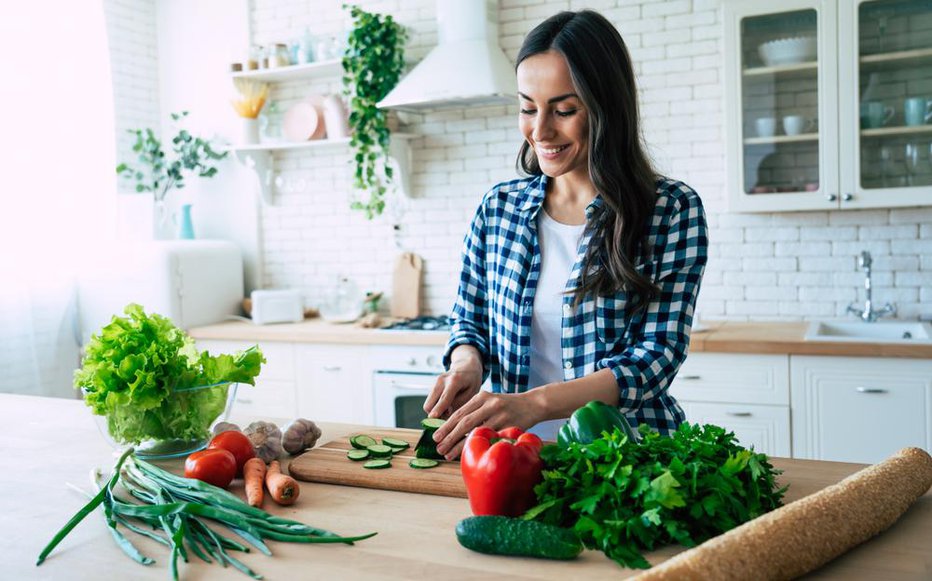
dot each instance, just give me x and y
(625, 498)
(138, 371)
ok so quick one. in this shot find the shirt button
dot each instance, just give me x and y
(567, 310)
(568, 364)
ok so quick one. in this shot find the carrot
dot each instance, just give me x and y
(282, 488)
(253, 476)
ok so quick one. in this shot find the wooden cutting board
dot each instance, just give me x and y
(328, 463)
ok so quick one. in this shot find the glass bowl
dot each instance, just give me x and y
(219, 403)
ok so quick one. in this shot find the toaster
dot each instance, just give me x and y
(277, 306)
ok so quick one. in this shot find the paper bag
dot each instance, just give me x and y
(406, 286)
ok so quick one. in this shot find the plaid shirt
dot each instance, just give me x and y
(501, 266)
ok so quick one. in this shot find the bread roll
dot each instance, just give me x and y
(804, 535)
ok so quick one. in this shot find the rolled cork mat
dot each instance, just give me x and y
(804, 535)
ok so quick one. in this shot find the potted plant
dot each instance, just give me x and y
(372, 65)
(158, 174)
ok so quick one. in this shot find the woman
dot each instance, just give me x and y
(579, 281)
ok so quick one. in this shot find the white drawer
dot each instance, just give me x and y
(279, 357)
(765, 427)
(267, 400)
(733, 378)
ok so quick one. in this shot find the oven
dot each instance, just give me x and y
(401, 381)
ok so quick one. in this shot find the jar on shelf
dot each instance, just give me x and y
(255, 58)
(270, 123)
(278, 56)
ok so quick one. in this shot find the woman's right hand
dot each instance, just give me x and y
(456, 386)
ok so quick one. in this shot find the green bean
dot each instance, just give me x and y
(79, 516)
(251, 538)
(141, 531)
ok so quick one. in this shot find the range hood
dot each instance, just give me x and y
(467, 67)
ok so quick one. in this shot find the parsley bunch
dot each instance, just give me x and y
(624, 497)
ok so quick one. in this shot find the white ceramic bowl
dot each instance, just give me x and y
(786, 51)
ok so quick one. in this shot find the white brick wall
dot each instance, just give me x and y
(131, 33)
(767, 267)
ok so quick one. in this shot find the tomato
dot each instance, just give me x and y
(217, 467)
(236, 443)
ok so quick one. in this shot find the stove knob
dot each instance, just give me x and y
(432, 361)
(412, 362)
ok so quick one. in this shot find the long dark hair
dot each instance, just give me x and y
(620, 169)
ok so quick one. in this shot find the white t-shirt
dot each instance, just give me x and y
(558, 247)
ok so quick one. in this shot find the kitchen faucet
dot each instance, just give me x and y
(868, 314)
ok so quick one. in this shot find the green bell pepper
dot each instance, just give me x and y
(588, 422)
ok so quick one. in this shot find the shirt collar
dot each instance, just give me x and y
(534, 198)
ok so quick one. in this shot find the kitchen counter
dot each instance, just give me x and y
(718, 337)
(54, 441)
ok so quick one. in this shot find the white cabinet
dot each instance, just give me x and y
(334, 382)
(816, 99)
(746, 394)
(853, 409)
(274, 395)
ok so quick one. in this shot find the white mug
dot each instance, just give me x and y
(766, 127)
(796, 124)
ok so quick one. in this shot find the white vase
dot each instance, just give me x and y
(250, 131)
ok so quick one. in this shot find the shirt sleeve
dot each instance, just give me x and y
(470, 318)
(644, 368)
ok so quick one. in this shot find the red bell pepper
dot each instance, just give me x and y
(500, 470)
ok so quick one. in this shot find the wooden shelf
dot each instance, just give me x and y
(896, 131)
(903, 56)
(776, 139)
(806, 67)
(318, 70)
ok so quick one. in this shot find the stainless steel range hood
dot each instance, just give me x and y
(467, 67)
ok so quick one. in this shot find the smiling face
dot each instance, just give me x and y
(553, 119)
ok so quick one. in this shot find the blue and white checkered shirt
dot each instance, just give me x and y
(501, 265)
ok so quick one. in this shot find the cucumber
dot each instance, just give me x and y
(421, 463)
(426, 447)
(394, 443)
(377, 464)
(502, 535)
(362, 441)
(379, 451)
(357, 454)
(432, 423)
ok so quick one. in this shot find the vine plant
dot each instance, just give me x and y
(372, 65)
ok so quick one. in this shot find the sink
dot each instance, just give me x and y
(876, 332)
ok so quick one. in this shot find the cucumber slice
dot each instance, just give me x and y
(432, 423)
(362, 441)
(357, 454)
(380, 451)
(394, 443)
(377, 464)
(422, 463)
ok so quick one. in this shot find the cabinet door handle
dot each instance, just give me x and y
(690, 377)
(412, 387)
(831, 197)
(870, 390)
(847, 197)
(243, 400)
(739, 414)
(332, 368)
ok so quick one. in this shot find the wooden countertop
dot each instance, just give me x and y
(54, 441)
(718, 337)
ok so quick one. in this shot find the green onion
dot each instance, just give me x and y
(180, 507)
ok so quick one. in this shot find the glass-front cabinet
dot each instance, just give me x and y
(828, 104)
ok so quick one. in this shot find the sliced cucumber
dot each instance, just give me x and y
(357, 454)
(380, 451)
(394, 443)
(362, 441)
(432, 423)
(377, 464)
(421, 463)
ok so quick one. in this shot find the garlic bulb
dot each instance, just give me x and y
(300, 435)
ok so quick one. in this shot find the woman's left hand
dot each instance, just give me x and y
(495, 410)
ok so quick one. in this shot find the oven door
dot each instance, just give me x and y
(399, 398)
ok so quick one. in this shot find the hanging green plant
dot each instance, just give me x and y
(372, 65)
